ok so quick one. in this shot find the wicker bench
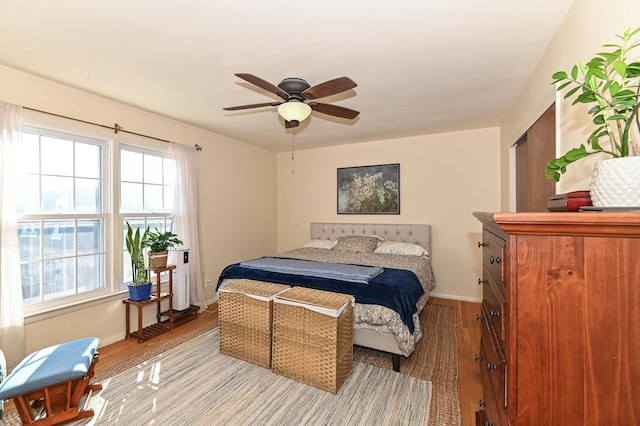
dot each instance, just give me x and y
(48, 385)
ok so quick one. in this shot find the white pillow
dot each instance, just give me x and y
(398, 247)
(323, 244)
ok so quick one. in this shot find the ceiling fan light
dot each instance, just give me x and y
(294, 111)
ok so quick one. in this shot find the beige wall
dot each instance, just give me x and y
(258, 198)
(443, 179)
(588, 25)
(237, 197)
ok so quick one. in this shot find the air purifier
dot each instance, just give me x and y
(180, 258)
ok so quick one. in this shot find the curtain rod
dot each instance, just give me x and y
(116, 127)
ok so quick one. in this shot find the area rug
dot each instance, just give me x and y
(435, 359)
(193, 384)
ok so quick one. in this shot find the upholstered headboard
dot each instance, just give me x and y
(417, 234)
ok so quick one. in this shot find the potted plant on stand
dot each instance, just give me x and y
(140, 286)
(610, 82)
(159, 244)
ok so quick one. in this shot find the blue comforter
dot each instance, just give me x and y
(396, 289)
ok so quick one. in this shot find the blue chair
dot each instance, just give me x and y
(47, 385)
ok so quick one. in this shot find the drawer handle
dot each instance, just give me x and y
(478, 357)
(494, 314)
(493, 260)
(479, 317)
(491, 367)
(486, 423)
(481, 281)
(482, 403)
(480, 244)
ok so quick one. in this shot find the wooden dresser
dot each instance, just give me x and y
(560, 319)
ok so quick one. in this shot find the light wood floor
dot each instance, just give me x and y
(467, 330)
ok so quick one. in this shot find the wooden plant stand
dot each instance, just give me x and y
(166, 320)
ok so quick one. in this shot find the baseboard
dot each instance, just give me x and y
(456, 297)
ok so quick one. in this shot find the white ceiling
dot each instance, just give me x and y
(422, 66)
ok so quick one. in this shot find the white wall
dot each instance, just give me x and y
(443, 179)
(588, 25)
(237, 197)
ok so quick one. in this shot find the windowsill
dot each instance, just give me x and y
(83, 304)
(72, 307)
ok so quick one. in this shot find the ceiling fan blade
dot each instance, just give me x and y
(336, 111)
(264, 85)
(235, 108)
(328, 88)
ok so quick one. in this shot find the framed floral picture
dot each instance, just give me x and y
(369, 189)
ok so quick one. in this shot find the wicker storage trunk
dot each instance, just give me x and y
(245, 312)
(313, 347)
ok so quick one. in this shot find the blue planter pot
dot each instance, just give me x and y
(138, 293)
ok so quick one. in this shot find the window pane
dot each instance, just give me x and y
(30, 282)
(152, 169)
(152, 198)
(87, 196)
(89, 236)
(29, 238)
(126, 263)
(59, 238)
(131, 197)
(30, 153)
(57, 194)
(169, 171)
(90, 272)
(130, 166)
(156, 222)
(28, 194)
(57, 156)
(88, 160)
(59, 278)
(168, 199)
(61, 188)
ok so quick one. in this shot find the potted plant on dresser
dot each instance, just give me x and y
(159, 244)
(610, 83)
(140, 286)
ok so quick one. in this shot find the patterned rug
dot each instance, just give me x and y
(435, 360)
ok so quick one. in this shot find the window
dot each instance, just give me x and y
(76, 193)
(146, 194)
(61, 220)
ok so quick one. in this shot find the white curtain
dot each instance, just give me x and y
(11, 311)
(186, 220)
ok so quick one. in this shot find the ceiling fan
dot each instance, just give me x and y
(298, 98)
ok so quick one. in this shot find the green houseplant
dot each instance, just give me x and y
(140, 287)
(159, 244)
(609, 82)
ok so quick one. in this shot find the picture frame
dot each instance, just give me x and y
(369, 189)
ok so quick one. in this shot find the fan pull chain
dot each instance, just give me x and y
(293, 136)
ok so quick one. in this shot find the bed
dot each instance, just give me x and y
(386, 314)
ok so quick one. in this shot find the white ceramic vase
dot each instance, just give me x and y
(616, 183)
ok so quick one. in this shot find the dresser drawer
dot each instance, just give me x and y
(493, 258)
(493, 365)
(494, 306)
